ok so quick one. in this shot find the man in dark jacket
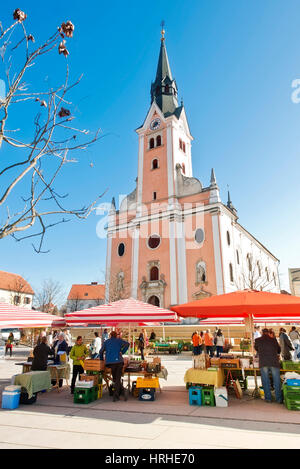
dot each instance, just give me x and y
(40, 355)
(268, 352)
(113, 349)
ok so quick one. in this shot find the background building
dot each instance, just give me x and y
(15, 290)
(173, 240)
(294, 276)
(84, 296)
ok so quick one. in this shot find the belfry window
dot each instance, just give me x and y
(231, 272)
(155, 163)
(167, 89)
(151, 143)
(158, 141)
(154, 195)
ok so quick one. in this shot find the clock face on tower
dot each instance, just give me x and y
(155, 124)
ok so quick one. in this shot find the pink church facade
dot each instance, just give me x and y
(172, 239)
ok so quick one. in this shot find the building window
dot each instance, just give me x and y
(154, 273)
(154, 195)
(231, 272)
(151, 143)
(237, 257)
(155, 163)
(26, 300)
(199, 236)
(228, 238)
(121, 249)
(153, 241)
(267, 274)
(158, 141)
(183, 147)
(259, 268)
(183, 168)
(17, 299)
(167, 89)
(180, 144)
(154, 300)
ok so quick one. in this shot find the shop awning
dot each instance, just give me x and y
(16, 316)
(123, 311)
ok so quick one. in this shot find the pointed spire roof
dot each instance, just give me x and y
(213, 181)
(230, 204)
(164, 88)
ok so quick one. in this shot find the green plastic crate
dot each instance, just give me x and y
(208, 397)
(85, 395)
(289, 365)
(292, 404)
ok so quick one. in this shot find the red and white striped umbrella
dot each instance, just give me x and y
(123, 311)
(17, 316)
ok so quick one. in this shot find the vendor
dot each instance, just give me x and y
(40, 355)
(60, 345)
(152, 335)
(113, 349)
(78, 353)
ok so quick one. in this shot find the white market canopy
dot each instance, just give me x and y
(15, 316)
(127, 311)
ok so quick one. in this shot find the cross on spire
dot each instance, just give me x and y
(162, 24)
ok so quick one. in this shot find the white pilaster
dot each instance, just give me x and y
(217, 253)
(173, 270)
(181, 263)
(135, 262)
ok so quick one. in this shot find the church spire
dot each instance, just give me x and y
(164, 89)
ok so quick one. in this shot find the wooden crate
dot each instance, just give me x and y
(94, 365)
(94, 378)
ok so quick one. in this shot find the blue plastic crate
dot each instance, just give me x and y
(293, 382)
(10, 399)
(195, 395)
(147, 394)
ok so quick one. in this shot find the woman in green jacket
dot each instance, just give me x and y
(78, 353)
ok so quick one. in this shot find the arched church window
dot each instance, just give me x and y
(231, 272)
(237, 256)
(228, 238)
(180, 144)
(158, 141)
(155, 163)
(154, 273)
(183, 168)
(183, 147)
(154, 300)
(151, 143)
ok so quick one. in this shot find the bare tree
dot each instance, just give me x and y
(119, 286)
(49, 296)
(35, 161)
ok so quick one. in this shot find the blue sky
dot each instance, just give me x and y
(234, 63)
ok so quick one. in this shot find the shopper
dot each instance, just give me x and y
(96, 346)
(152, 335)
(141, 345)
(104, 336)
(9, 344)
(268, 352)
(113, 349)
(285, 344)
(208, 342)
(196, 343)
(41, 352)
(295, 338)
(257, 332)
(78, 353)
(220, 342)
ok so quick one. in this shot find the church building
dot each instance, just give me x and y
(173, 240)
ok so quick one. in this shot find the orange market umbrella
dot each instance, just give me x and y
(242, 304)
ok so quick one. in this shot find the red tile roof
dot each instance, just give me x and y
(87, 292)
(14, 282)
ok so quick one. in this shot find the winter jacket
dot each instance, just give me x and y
(113, 349)
(286, 346)
(268, 351)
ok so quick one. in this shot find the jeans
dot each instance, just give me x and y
(210, 350)
(265, 379)
(77, 370)
(116, 371)
(219, 350)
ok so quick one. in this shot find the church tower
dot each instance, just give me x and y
(172, 239)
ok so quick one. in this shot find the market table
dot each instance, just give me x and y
(33, 381)
(213, 377)
(57, 371)
(168, 347)
(162, 374)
